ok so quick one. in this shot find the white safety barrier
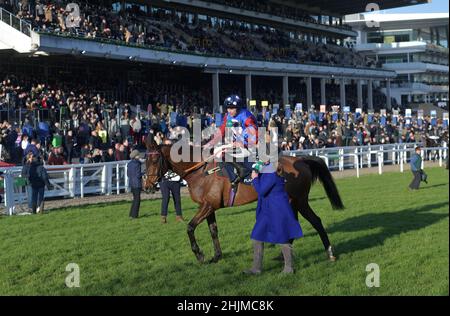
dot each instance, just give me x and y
(356, 158)
(76, 181)
(68, 181)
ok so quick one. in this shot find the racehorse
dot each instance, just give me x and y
(211, 192)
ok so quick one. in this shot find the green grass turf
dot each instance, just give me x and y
(405, 233)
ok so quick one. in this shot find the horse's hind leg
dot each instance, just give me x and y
(307, 212)
(215, 237)
(198, 218)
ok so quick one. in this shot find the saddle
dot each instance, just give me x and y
(243, 177)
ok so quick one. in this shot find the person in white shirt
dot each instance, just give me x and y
(171, 184)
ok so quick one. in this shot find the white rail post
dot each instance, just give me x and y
(72, 181)
(356, 162)
(117, 179)
(8, 181)
(341, 159)
(422, 154)
(380, 162)
(82, 182)
(405, 155)
(401, 153)
(440, 157)
(126, 179)
(109, 178)
(104, 177)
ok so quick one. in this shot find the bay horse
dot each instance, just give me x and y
(211, 192)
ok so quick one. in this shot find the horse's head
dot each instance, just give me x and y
(155, 166)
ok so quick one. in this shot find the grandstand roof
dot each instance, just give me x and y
(344, 7)
(399, 20)
(330, 7)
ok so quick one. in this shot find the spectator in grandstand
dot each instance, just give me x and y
(108, 156)
(56, 157)
(32, 147)
(85, 154)
(134, 174)
(69, 144)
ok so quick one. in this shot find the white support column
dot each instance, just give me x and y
(216, 92)
(370, 94)
(359, 92)
(342, 92)
(248, 87)
(285, 90)
(388, 95)
(323, 96)
(308, 92)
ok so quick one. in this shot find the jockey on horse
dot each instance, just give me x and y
(244, 131)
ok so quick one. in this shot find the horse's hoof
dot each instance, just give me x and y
(200, 258)
(214, 259)
(330, 254)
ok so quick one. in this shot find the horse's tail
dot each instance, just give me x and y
(320, 171)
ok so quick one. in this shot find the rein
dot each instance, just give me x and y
(194, 168)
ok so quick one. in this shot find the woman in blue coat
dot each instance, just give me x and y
(275, 219)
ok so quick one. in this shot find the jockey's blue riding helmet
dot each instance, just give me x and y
(233, 102)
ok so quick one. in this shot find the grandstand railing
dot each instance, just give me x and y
(77, 181)
(15, 22)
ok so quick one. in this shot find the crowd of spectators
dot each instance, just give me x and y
(75, 127)
(174, 30)
(301, 131)
(265, 6)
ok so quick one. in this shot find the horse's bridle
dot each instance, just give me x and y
(160, 162)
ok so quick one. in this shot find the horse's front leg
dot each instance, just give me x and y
(203, 212)
(215, 237)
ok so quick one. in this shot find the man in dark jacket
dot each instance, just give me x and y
(416, 168)
(38, 178)
(135, 179)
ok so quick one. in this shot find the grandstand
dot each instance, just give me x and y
(195, 51)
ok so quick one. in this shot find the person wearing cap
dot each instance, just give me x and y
(134, 174)
(275, 219)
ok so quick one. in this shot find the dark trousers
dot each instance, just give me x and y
(37, 198)
(166, 188)
(246, 165)
(134, 211)
(415, 184)
(69, 154)
(29, 190)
